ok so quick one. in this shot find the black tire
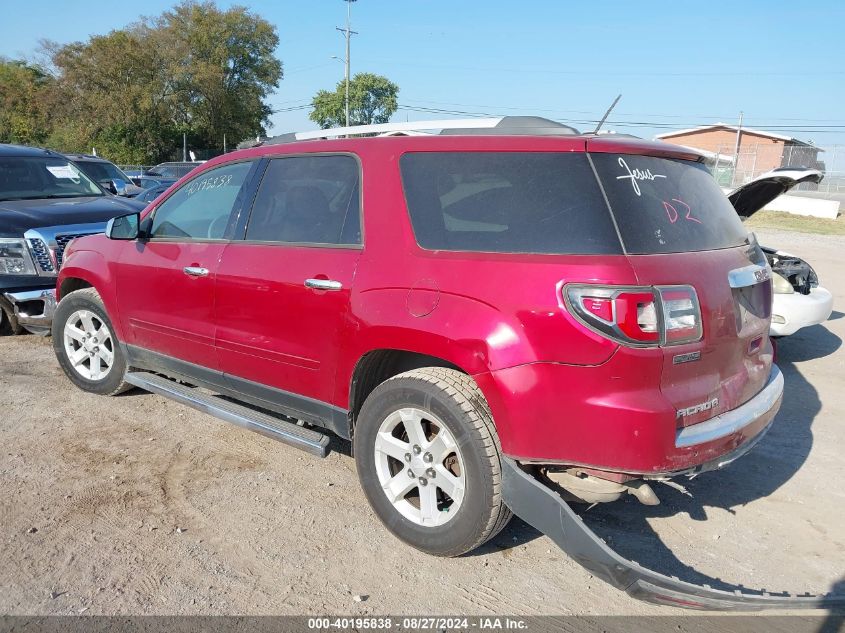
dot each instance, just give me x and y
(455, 399)
(89, 299)
(8, 321)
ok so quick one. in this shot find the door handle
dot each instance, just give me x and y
(195, 271)
(323, 284)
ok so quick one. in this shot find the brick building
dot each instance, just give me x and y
(758, 151)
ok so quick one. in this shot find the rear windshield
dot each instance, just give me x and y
(663, 205)
(507, 202)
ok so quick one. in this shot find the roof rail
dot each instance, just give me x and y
(408, 126)
(511, 125)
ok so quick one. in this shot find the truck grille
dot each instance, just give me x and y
(41, 254)
(41, 251)
(62, 242)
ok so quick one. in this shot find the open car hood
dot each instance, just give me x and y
(753, 196)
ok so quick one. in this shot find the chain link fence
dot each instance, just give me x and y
(732, 170)
(176, 157)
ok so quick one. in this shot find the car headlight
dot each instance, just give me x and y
(781, 285)
(15, 258)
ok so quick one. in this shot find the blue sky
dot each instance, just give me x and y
(676, 63)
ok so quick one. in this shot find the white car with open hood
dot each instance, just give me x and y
(798, 300)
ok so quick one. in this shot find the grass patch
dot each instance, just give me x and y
(800, 223)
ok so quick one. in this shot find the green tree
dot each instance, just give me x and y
(372, 99)
(114, 93)
(223, 68)
(195, 69)
(24, 113)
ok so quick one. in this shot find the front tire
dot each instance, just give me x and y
(86, 345)
(428, 459)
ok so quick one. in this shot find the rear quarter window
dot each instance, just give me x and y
(507, 202)
(664, 205)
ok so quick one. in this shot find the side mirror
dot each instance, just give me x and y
(118, 187)
(123, 227)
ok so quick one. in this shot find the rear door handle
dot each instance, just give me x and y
(323, 284)
(195, 271)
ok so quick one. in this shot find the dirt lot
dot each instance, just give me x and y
(137, 505)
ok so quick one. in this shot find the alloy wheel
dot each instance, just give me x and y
(419, 467)
(89, 345)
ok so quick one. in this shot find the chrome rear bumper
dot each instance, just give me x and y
(765, 403)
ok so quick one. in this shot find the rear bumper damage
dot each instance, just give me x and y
(613, 418)
(545, 510)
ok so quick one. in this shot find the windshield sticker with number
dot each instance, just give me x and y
(212, 182)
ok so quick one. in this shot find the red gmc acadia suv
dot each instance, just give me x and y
(498, 319)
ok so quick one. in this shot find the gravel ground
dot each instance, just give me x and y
(137, 505)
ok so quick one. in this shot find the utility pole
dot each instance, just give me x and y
(348, 33)
(736, 149)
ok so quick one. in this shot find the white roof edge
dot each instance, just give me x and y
(731, 127)
(410, 126)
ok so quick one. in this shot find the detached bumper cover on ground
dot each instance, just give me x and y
(543, 509)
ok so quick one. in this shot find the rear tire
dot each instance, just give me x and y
(433, 423)
(86, 345)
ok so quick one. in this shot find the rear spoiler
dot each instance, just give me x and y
(545, 510)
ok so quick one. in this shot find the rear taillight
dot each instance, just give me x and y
(681, 314)
(638, 316)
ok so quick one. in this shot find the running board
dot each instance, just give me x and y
(300, 437)
(542, 508)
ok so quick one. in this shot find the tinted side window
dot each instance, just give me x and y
(200, 208)
(308, 199)
(507, 202)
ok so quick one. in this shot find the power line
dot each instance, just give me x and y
(292, 108)
(806, 129)
(587, 121)
(719, 117)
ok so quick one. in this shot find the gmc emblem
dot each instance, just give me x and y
(698, 408)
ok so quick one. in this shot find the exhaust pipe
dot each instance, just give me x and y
(580, 487)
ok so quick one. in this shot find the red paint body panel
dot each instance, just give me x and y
(609, 417)
(271, 328)
(558, 391)
(93, 263)
(728, 369)
(163, 309)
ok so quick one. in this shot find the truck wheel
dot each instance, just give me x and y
(86, 346)
(8, 321)
(428, 458)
